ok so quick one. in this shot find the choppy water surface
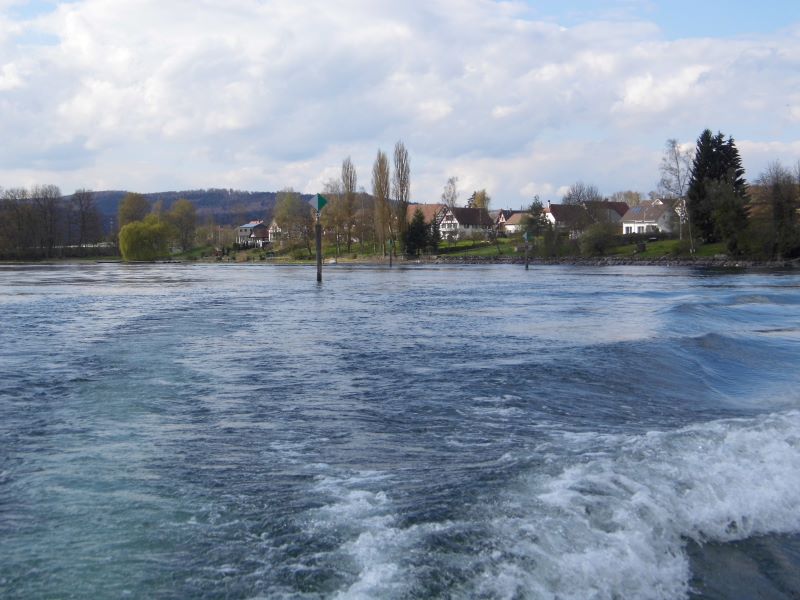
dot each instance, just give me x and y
(214, 431)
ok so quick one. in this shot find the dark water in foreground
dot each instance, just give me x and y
(458, 432)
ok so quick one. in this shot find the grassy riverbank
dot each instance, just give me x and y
(508, 251)
(504, 250)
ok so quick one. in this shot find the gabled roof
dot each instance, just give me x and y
(516, 218)
(646, 211)
(504, 215)
(618, 207)
(474, 217)
(569, 215)
(252, 224)
(428, 210)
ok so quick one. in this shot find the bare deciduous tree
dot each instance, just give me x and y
(775, 227)
(294, 217)
(579, 192)
(133, 207)
(183, 217)
(676, 172)
(629, 197)
(401, 185)
(47, 204)
(380, 191)
(16, 222)
(87, 217)
(334, 217)
(450, 192)
(349, 182)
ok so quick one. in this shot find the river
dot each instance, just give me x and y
(238, 431)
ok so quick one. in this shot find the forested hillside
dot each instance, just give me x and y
(222, 206)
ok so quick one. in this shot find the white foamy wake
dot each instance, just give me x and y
(615, 521)
(597, 517)
(373, 547)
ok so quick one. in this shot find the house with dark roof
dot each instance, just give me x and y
(458, 222)
(605, 211)
(573, 218)
(650, 216)
(254, 233)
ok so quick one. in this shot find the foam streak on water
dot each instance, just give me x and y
(457, 432)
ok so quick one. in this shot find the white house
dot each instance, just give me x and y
(458, 222)
(274, 232)
(515, 223)
(253, 233)
(571, 218)
(649, 216)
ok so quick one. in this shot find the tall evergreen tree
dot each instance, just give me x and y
(717, 166)
(415, 237)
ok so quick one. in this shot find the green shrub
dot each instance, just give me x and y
(598, 238)
(682, 248)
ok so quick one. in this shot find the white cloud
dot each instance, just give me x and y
(9, 77)
(154, 95)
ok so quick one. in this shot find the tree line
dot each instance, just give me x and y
(39, 222)
(718, 205)
(711, 199)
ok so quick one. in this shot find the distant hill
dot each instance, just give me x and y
(222, 206)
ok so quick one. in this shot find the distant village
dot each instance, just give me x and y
(457, 223)
(706, 206)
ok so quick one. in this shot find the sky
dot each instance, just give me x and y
(521, 98)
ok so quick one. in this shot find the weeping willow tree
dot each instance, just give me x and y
(145, 240)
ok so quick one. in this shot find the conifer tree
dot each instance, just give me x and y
(415, 238)
(717, 189)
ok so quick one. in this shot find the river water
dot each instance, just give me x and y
(237, 431)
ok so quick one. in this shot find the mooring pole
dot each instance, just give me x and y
(318, 234)
(525, 235)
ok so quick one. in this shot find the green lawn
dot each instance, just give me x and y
(507, 247)
(669, 248)
(196, 253)
(652, 249)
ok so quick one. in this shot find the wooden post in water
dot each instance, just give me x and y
(525, 235)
